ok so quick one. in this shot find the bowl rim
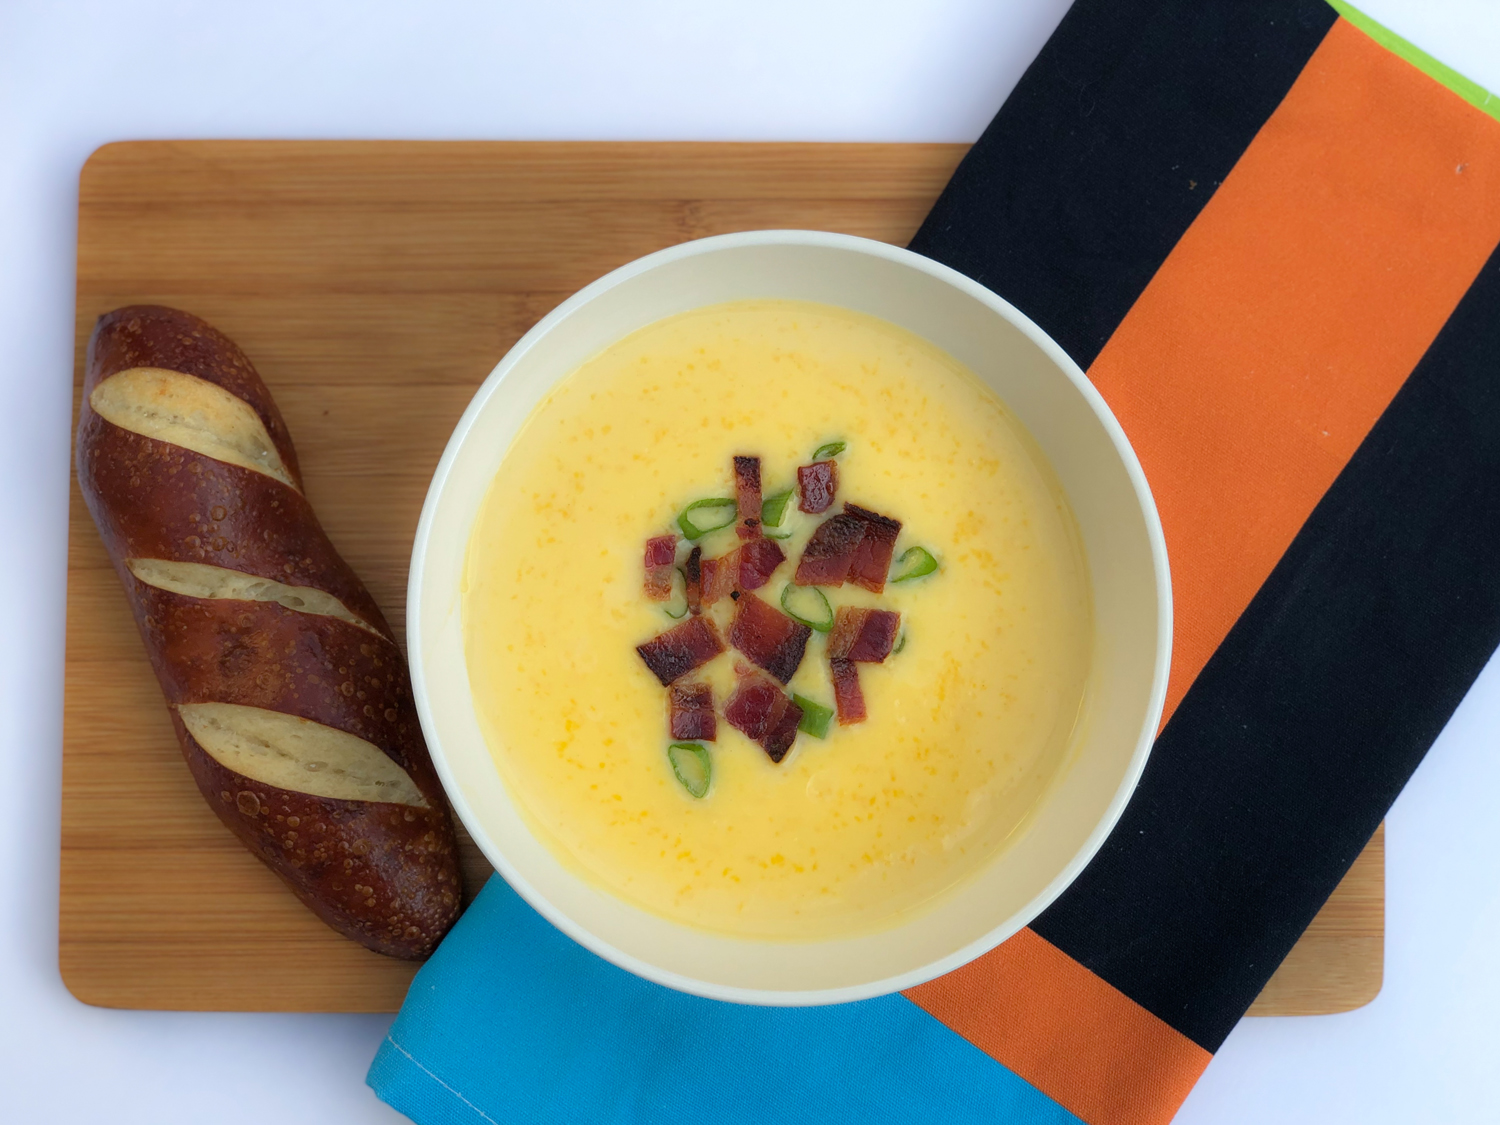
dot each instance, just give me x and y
(1123, 450)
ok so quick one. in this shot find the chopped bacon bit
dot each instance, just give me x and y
(659, 583)
(863, 635)
(768, 637)
(747, 496)
(830, 552)
(758, 559)
(872, 558)
(660, 552)
(690, 712)
(693, 581)
(847, 696)
(778, 740)
(816, 484)
(761, 711)
(747, 567)
(681, 649)
(720, 576)
(753, 706)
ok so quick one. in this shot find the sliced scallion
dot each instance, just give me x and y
(702, 516)
(691, 764)
(773, 508)
(922, 563)
(667, 609)
(823, 622)
(832, 449)
(814, 717)
(783, 535)
(900, 642)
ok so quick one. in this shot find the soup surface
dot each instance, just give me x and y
(966, 723)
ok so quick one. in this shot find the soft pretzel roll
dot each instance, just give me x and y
(289, 695)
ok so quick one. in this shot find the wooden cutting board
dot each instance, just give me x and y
(374, 285)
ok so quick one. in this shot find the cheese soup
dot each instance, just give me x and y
(783, 808)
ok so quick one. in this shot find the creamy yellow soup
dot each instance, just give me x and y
(966, 724)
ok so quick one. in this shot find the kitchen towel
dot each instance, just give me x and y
(1268, 232)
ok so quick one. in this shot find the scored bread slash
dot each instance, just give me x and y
(184, 410)
(682, 649)
(198, 580)
(298, 755)
(290, 698)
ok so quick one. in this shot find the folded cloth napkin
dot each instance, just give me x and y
(1268, 232)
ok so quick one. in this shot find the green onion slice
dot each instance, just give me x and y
(711, 515)
(783, 535)
(667, 609)
(832, 449)
(900, 642)
(773, 508)
(821, 623)
(924, 564)
(691, 764)
(814, 717)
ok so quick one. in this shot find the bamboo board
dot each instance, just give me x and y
(375, 284)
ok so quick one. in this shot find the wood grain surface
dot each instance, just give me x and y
(374, 285)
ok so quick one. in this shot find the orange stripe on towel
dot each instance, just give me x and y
(1255, 362)
(1090, 1048)
(1290, 313)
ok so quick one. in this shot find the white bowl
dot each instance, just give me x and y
(1121, 535)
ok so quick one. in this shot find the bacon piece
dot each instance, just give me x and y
(768, 637)
(659, 583)
(755, 705)
(747, 567)
(778, 740)
(681, 649)
(847, 696)
(858, 636)
(747, 496)
(872, 558)
(661, 551)
(690, 712)
(693, 581)
(761, 711)
(816, 484)
(830, 552)
(660, 554)
(758, 559)
(720, 577)
(863, 635)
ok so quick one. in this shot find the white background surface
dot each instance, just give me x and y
(75, 75)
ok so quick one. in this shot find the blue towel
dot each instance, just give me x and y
(511, 1021)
